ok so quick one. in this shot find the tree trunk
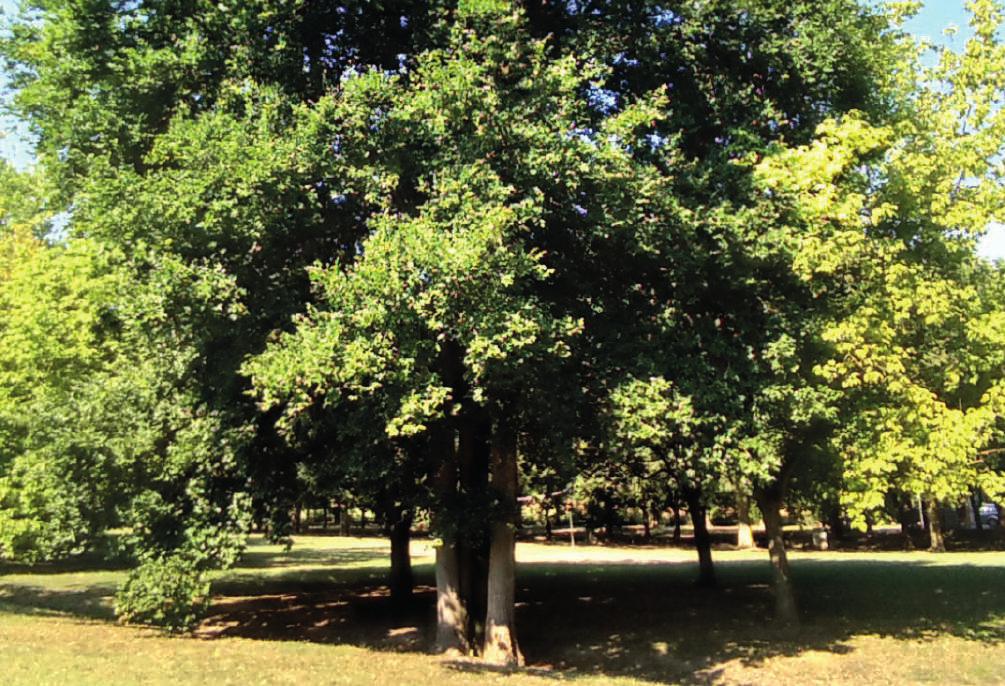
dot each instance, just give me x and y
(702, 539)
(548, 535)
(647, 531)
(402, 580)
(451, 614)
(975, 504)
(785, 599)
(835, 522)
(297, 518)
(500, 616)
(473, 553)
(324, 517)
(937, 543)
(744, 530)
(452, 619)
(676, 524)
(344, 522)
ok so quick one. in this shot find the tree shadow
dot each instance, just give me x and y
(91, 602)
(648, 620)
(645, 620)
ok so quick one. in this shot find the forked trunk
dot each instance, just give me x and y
(786, 612)
(702, 540)
(501, 646)
(744, 530)
(937, 543)
(402, 580)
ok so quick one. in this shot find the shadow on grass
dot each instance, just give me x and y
(93, 602)
(647, 621)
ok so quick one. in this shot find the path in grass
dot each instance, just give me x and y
(590, 614)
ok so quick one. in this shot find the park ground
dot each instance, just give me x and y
(319, 614)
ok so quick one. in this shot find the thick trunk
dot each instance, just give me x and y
(402, 580)
(744, 530)
(501, 646)
(937, 543)
(451, 613)
(473, 552)
(785, 599)
(452, 621)
(702, 539)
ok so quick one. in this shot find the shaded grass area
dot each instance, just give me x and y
(590, 614)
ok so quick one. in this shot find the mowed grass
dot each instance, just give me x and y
(590, 615)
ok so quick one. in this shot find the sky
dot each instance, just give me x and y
(929, 23)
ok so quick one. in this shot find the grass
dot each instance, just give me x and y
(589, 615)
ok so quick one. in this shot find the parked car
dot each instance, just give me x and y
(990, 515)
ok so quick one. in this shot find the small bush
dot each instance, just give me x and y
(171, 592)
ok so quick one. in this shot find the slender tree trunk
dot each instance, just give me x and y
(344, 522)
(324, 517)
(937, 543)
(297, 518)
(785, 600)
(402, 581)
(975, 504)
(500, 616)
(702, 539)
(548, 535)
(647, 530)
(744, 530)
(676, 523)
(835, 522)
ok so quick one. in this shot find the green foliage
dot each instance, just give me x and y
(171, 592)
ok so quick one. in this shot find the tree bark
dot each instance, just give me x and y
(344, 522)
(835, 522)
(402, 581)
(937, 543)
(744, 530)
(501, 646)
(786, 611)
(473, 456)
(647, 531)
(451, 614)
(676, 524)
(975, 504)
(452, 619)
(702, 539)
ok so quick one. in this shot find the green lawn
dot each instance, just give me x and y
(590, 615)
